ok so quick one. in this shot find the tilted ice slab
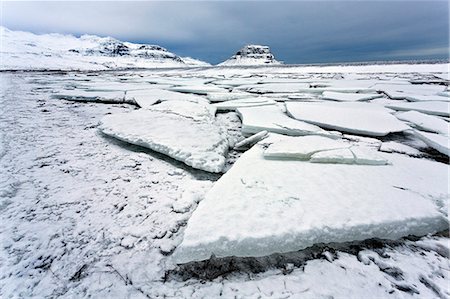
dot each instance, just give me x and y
(195, 140)
(227, 96)
(260, 207)
(197, 89)
(434, 108)
(148, 97)
(273, 119)
(438, 142)
(195, 111)
(246, 102)
(321, 149)
(348, 97)
(425, 122)
(401, 91)
(427, 98)
(395, 147)
(85, 95)
(277, 87)
(357, 118)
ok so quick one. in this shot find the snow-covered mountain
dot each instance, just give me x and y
(25, 50)
(251, 55)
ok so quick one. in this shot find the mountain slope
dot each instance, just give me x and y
(28, 51)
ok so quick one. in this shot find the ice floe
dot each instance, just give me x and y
(395, 147)
(357, 118)
(173, 130)
(263, 206)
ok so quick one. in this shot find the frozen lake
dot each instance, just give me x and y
(93, 203)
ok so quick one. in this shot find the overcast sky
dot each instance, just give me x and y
(296, 31)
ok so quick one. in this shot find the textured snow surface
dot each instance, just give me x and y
(87, 215)
(260, 207)
(190, 138)
(356, 118)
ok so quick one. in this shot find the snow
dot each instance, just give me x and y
(273, 119)
(433, 108)
(24, 51)
(436, 141)
(251, 55)
(357, 118)
(425, 122)
(295, 204)
(194, 140)
(197, 89)
(348, 97)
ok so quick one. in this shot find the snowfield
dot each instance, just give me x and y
(234, 182)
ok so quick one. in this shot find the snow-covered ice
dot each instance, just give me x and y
(357, 118)
(260, 206)
(196, 141)
(86, 215)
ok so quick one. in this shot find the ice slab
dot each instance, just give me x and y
(260, 207)
(196, 141)
(273, 119)
(227, 96)
(148, 97)
(197, 89)
(249, 141)
(434, 108)
(349, 97)
(245, 102)
(278, 87)
(401, 91)
(438, 142)
(341, 156)
(357, 118)
(195, 111)
(427, 98)
(425, 122)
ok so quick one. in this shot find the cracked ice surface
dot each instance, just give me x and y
(85, 215)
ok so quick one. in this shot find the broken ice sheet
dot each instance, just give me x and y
(261, 206)
(425, 122)
(148, 97)
(433, 108)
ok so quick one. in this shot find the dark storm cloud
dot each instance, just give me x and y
(298, 32)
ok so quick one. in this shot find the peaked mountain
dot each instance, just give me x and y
(25, 50)
(251, 55)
